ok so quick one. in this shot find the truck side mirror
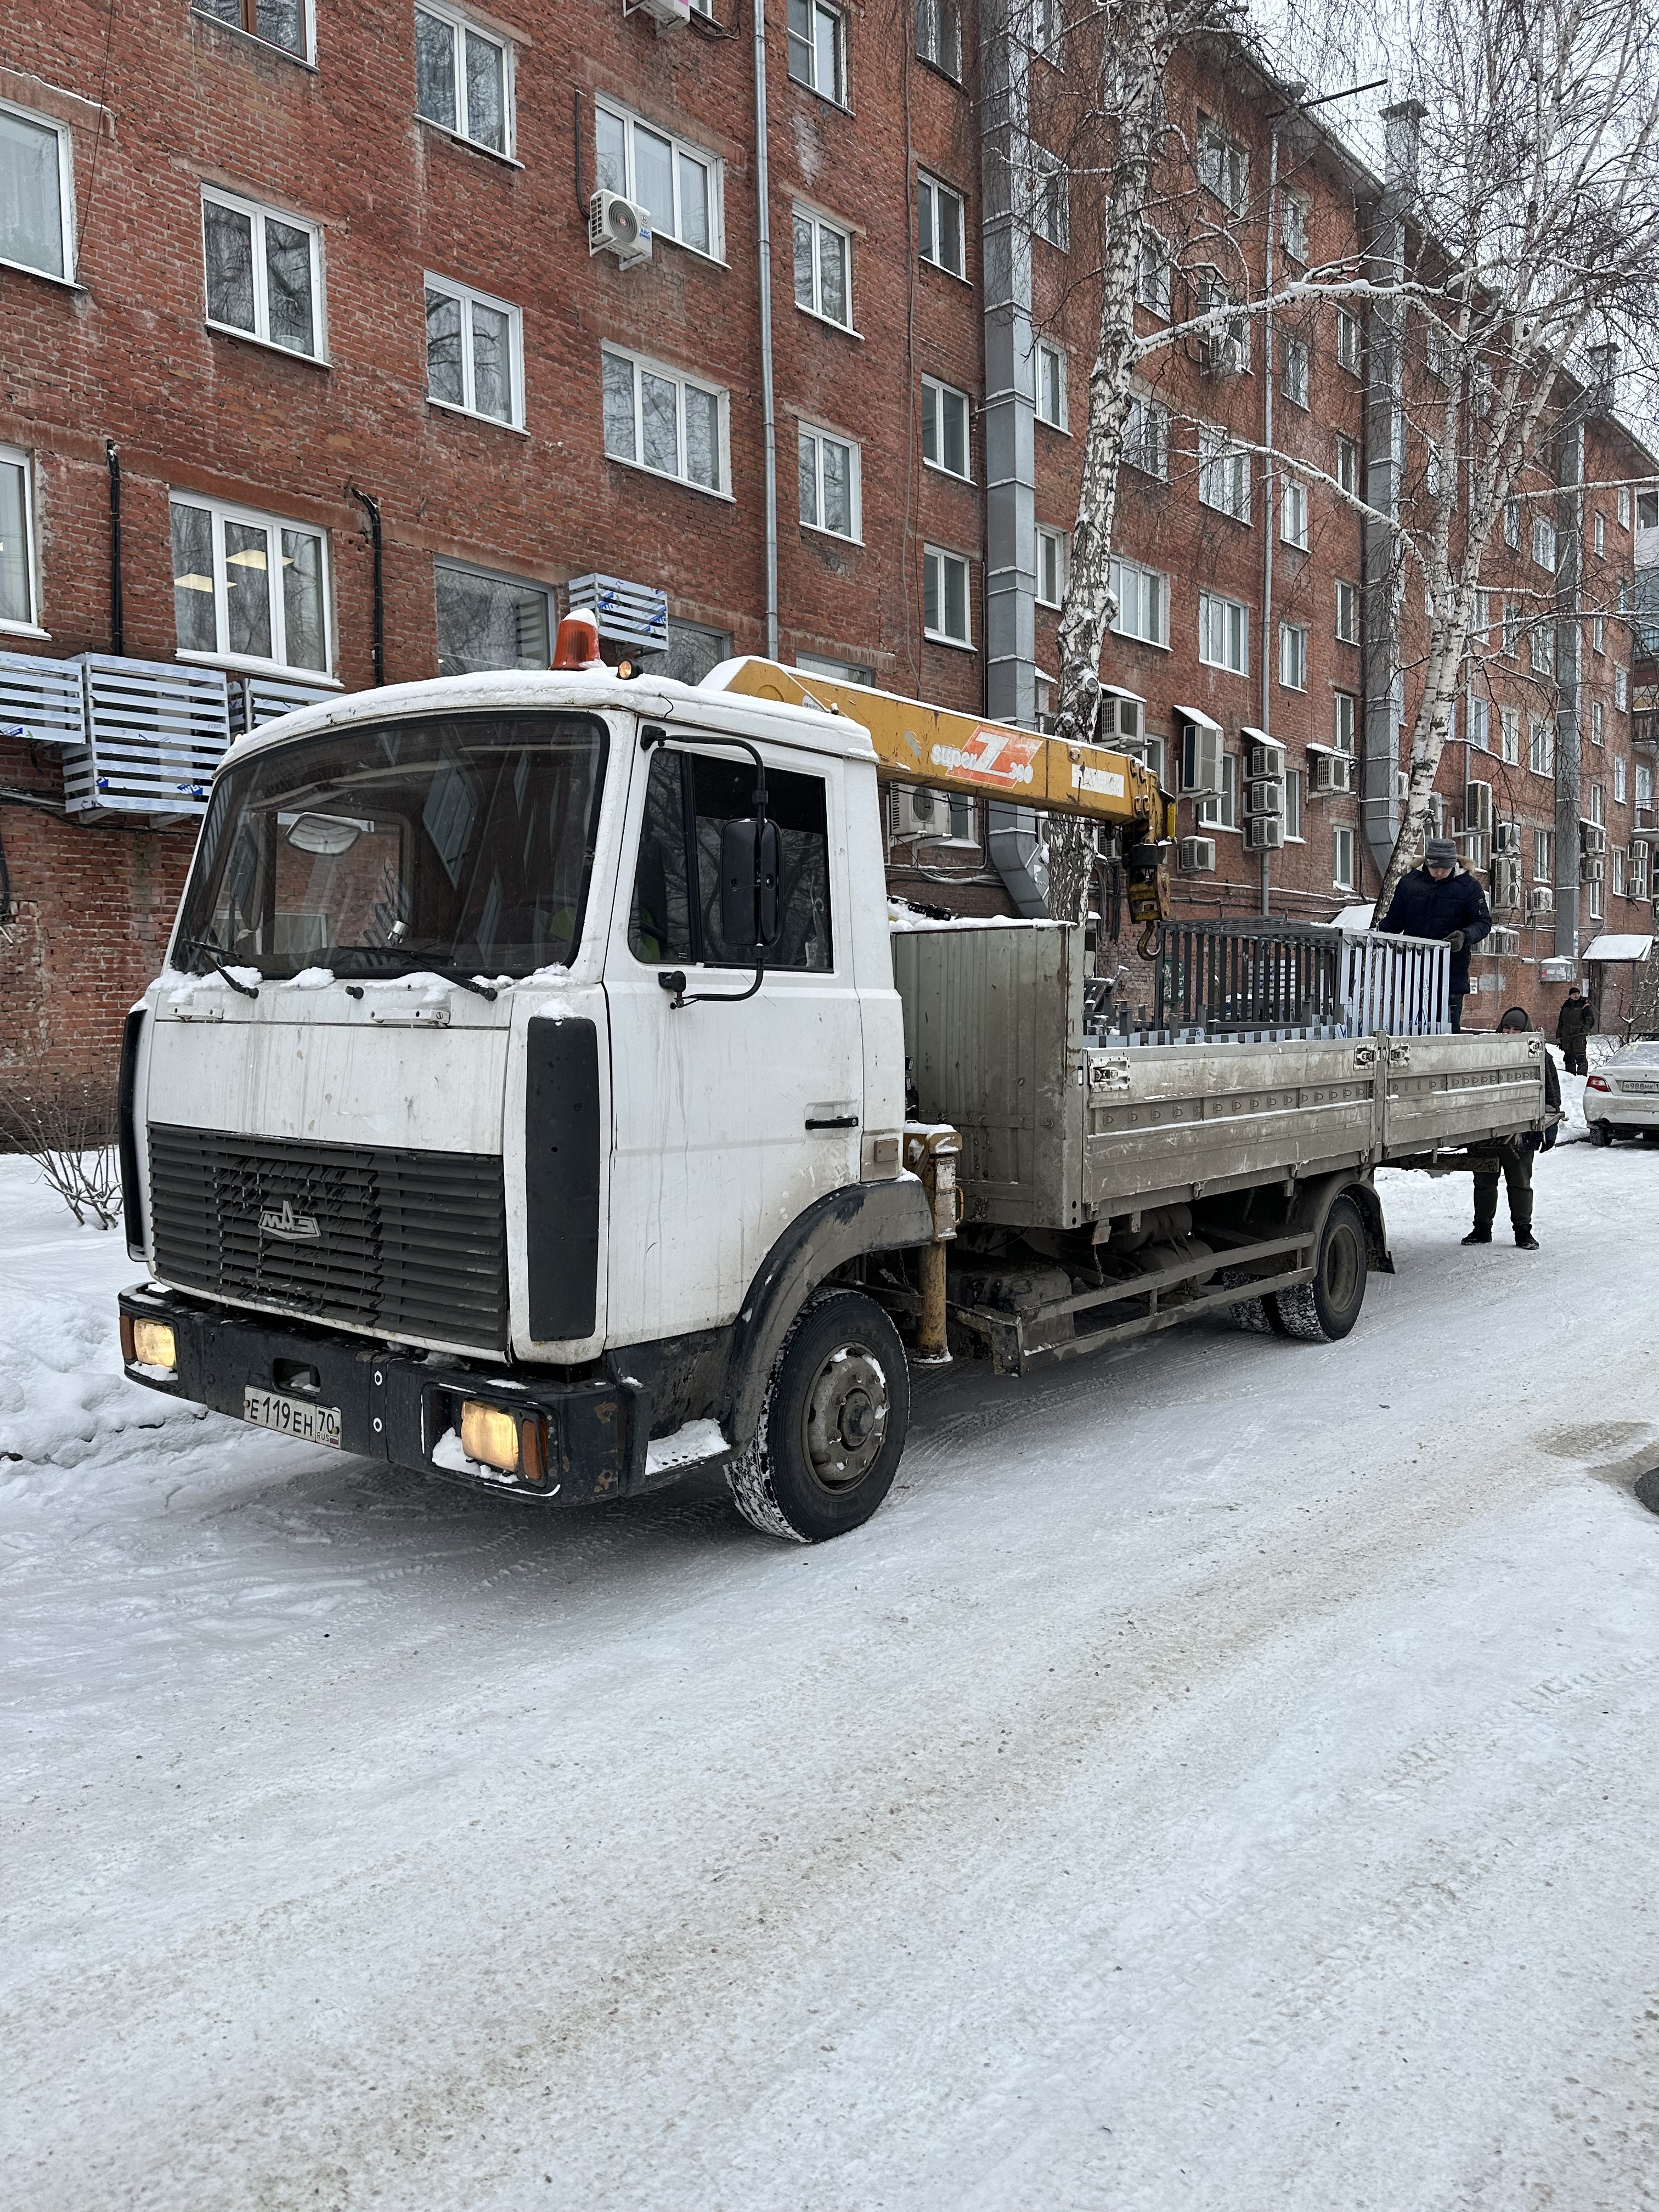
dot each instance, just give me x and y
(749, 884)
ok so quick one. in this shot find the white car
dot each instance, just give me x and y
(1621, 1098)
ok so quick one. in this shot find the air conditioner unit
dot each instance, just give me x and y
(1263, 833)
(1506, 883)
(1477, 808)
(1591, 868)
(919, 813)
(1222, 353)
(665, 14)
(1329, 772)
(1541, 900)
(620, 227)
(1202, 756)
(1195, 856)
(1506, 837)
(1500, 944)
(1592, 840)
(1264, 795)
(1122, 719)
(1267, 757)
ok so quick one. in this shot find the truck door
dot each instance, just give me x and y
(727, 1120)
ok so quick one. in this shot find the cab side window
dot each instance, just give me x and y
(675, 915)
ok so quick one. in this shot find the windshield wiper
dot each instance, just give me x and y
(214, 949)
(417, 967)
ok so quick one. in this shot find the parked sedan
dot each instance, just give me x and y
(1621, 1099)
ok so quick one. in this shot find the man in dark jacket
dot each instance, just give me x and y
(1572, 1028)
(1513, 1159)
(1437, 901)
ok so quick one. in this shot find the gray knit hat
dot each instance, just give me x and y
(1439, 853)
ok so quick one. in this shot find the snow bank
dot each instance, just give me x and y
(695, 1440)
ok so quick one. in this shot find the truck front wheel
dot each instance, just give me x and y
(1325, 1310)
(833, 1426)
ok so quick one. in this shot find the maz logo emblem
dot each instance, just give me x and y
(292, 1228)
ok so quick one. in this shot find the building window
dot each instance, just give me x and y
(1146, 437)
(1618, 871)
(1342, 859)
(1347, 613)
(1595, 899)
(817, 49)
(284, 23)
(1540, 746)
(19, 596)
(1293, 377)
(1293, 804)
(1293, 225)
(693, 650)
(1620, 780)
(488, 622)
(1348, 341)
(474, 353)
(1621, 689)
(823, 269)
(1221, 813)
(846, 671)
(1051, 386)
(1543, 543)
(1224, 633)
(1152, 275)
(1598, 719)
(1540, 645)
(1601, 534)
(263, 274)
(1509, 728)
(944, 596)
(1598, 805)
(248, 586)
(1643, 787)
(1293, 513)
(1623, 507)
(1052, 546)
(1051, 198)
(1293, 656)
(1143, 602)
(37, 197)
(941, 231)
(1223, 167)
(829, 483)
(944, 413)
(679, 186)
(1481, 631)
(1543, 856)
(938, 35)
(464, 79)
(1346, 725)
(664, 422)
(1223, 474)
(1512, 525)
(1224, 347)
(1479, 723)
(1347, 466)
(1598, 633)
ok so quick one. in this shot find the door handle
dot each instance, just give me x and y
(840, 1121)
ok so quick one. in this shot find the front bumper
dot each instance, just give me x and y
(397, 1405)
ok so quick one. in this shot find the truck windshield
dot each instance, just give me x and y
(457, 842)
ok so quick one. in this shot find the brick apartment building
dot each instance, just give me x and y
(311, 380)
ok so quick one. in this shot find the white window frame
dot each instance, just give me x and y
(1347, 604)
(1508, 736)
(1347, 471)
(66, 194)
(1150, 589)
(1233, 615)
(307, 54)
(684, 381)
(1512, 525)
(527, 584)
(1294, 212)
(1543, 856)
(1224, 165)
(258, 211)
(1601, 533)
(938, 190)
(1148, 419)
(1344, 722)
(1617, 856)
(1540, 649)
(1598, 722)
(1623, 507)
(941, 555)
(1342, 857)
(1223, 474)
(679, 150)
(1293, 513)
(1348, 341)
(1056, 355)
(1540, 744)
(466, 295)
(806, 428)
(1598, 633)
(938, 17)
(1621, 689)
(837, 92)
(1479, 723)
(1596, 900)
(1293, 806)
(462, 26)
(1155, 257)
(934, 392)
(1296, 374)
(1056, 544)
(224, 510)
(14, 457)
(802, 212)
(1220, 810)
(1051, 199)
(1620, 779)
(1543, 543)
(1293, 656)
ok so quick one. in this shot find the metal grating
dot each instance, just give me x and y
(155, 732)
(257, 699)
(40, 701)
(629, 614)
(408, 1244)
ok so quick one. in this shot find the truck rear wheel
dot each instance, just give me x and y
(1325, 1310)
(833, 1426)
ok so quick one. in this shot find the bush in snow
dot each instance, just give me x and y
(66, 1131)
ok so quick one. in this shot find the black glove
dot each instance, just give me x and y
(1455, 940)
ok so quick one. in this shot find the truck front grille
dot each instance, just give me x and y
(403, 1244)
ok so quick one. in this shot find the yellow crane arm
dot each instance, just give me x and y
(942, 751)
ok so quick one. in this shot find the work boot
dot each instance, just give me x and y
(1525, 1240)
(1480, 1234)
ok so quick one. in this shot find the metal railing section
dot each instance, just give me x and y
(1268, 980)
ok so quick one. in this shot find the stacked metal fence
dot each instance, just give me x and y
(1251, 979)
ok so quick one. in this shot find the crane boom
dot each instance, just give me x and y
(942, 751)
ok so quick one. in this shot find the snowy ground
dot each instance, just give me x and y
(1191, 1790)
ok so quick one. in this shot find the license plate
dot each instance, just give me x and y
(292, 1417)
(1640, 1090)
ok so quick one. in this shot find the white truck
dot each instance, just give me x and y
(524, 1098)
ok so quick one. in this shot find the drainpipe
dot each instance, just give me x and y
(1269, 484)
(1569, 649)
(763, 189)
(372, 509)
(118, 624)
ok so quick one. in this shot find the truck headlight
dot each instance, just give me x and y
(154, 1344)
(490, 1434)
